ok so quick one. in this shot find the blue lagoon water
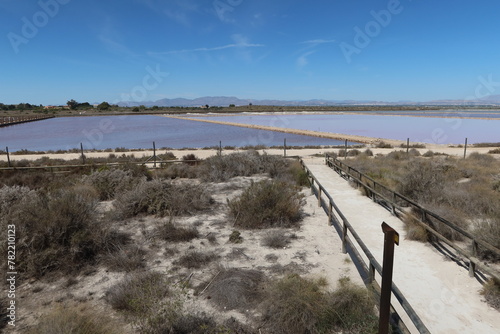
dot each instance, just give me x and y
(139, 132)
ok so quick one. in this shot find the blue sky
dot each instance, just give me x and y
(92, 51)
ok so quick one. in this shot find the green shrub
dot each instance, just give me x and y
(64, 320)
(267, 204)
(383, 144)
(235, 237)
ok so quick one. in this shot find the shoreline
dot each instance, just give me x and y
(206, 153)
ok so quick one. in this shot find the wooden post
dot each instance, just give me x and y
(319, 197)
(465, 148)
(371, 273)
(391, 237)
(330, 213)
(345, 150)
(8, 156)
(83, 155)
(284, 148)
(220, 147)
(344, 235)
(408, 146)
(154, 153)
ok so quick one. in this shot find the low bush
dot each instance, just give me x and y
(162, 198)
(495, 151)
(172, 233)
(267, 204)
(276, 239)
(414, 231)
(108, 183)
(64, 320)
(491, 293)
(139, 294)
(235, 237)
(383, 144)
(58, 231)
(295, 305)
(232, 289)
(195, 259)
(127, 259)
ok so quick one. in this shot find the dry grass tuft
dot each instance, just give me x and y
(414, 230)
(195, 259)
(64, 320)
(491, 293)
(138, 294)
(296, 305)
(276, 239)
(168, 231)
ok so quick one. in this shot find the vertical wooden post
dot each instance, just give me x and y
(371, 273)
(8, 156)
(345, 150)
(344, 235)
(330, 213)
(465, 148)
(83, 155)
(154, 154)
(220, 147)
(284, 148)
(391, 237)
(408, 146)
(319, 197)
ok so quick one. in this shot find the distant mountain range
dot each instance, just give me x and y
(224, 101)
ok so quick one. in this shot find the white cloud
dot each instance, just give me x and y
(240, 43)
(302, 61)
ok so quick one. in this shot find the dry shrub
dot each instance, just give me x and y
(183, 171)
(494, 151)
(57, 231)
(235, 237)
(235, 289)
(172, 233)
(138, 294)
(488, 230)
(491, 293)
(481, 158)
(296, 305)
(162, 198)
(223, 168)
(414, 230)
(108, 183)
(267, 204)
(127, 259)
(383, 144)
(4, 303)
(195, 259)
(64, 320)
(276, 239)
(190, 159)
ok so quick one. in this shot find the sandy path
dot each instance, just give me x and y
(441, 292)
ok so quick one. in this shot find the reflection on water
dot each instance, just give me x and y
(139, 132)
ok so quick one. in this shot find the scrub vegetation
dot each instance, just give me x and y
(130, 250)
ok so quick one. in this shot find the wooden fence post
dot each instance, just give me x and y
(344, 235)
(8, 156)
(83, 155)
(284, 148)
(465, 148)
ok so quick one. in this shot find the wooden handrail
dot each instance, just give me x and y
(372, 266)
(474, 262)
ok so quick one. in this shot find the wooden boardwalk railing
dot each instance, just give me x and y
(372, 267)
(11, 120)
(397, 204)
